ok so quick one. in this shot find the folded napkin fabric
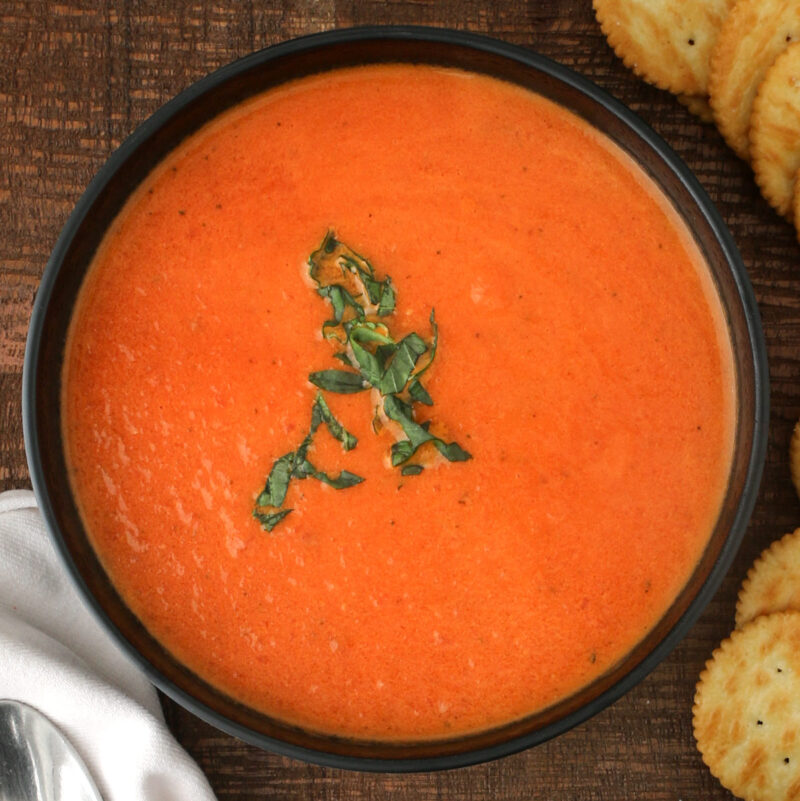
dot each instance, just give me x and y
(56, 657)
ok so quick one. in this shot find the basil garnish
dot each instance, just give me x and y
(296, 465)
(376, 359)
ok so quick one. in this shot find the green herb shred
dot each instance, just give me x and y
(377, 360)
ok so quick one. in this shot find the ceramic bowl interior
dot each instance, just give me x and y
(184, 115)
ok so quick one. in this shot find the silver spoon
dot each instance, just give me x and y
(37, 762)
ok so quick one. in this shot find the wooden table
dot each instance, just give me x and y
(76, 77)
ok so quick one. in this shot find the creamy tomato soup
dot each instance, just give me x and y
(583, 363)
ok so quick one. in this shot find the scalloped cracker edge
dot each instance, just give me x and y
(698, 105)
(666, 42)
(755, 33)
(775, 131)
(773, 582)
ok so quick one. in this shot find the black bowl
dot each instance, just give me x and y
(184, 115)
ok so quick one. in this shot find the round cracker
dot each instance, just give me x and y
(775, 130)
(794, 456)
(698, 105)
(754, 34)
(667, 42)
(746, 711)
(773, 582)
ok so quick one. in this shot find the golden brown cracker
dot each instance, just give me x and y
(754, 34)
(794, 448)
(698, 105)
(747, 709)
(667, 42)
(773, 582)
(775, 130)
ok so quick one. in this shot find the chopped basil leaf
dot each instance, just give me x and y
(402, 451)
(432, 349)
(367, 331)
(417, 435)
(397, 374)
(451, 451)
(338, 431)
(339, 381)
(274, 491)
(359, 300)
(270, 520)
(401, 413)
(412, 470)
(418, 393)
(384, 352)
(344, 480)
(368, 363)
(296, 465)
(386, 303)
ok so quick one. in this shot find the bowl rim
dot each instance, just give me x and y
(675, 165)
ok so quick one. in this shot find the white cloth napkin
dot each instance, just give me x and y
(55, 657)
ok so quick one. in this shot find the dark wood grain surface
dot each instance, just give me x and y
(76, 77)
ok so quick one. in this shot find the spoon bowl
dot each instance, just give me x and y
(37, 762)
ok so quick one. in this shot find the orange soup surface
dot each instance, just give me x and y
(582, 361)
